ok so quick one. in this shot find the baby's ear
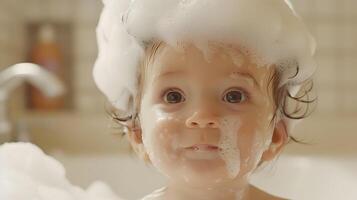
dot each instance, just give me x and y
(279, 140)
(135, 135)
(136, 141)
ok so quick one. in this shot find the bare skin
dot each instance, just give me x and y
(196, 118)
(252, 194)
(256, 193)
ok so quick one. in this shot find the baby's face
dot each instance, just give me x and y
(206, 121)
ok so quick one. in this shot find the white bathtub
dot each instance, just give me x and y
(292, 177)
(310, 177)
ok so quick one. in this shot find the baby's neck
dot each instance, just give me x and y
(227, 191)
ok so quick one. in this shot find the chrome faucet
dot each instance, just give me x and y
(14, 76)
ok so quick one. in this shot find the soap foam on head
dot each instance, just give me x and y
(270, 29)
(274, 32)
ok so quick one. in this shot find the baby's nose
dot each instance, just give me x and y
(201, 120)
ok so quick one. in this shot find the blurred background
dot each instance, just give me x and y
(75, 128)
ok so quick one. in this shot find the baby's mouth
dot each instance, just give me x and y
(202, 152)
(203, 147)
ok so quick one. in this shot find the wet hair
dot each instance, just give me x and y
(293, 107)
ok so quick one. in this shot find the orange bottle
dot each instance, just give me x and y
(46, 52)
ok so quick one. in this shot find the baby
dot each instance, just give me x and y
(206, 91)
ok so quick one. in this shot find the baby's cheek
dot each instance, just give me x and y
(159, 142)
(165, 137)
(253, 141)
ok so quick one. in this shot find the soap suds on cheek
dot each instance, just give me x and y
(160, 141)
(228, 143)
(258, 141)
(150, 116)
(261, 143)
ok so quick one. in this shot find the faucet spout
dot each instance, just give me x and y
(13, 76)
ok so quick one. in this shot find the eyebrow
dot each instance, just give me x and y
(241, 74)
(245, 75)
(168, 73)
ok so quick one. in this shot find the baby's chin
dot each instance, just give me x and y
(203, 171)
(209, 176)
(203, 164)
(204, 161)
(196, 167)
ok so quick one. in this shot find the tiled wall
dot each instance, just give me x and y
(11, 33)
(88, 99)
(82, 15)
(11, 41)
(332, 22)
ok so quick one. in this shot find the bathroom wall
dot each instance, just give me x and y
(11, 34)
(82, 16)
(57, 130)
(334, 24)
(332, 128)
(12, 41)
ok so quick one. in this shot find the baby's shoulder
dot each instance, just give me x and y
(256, 193)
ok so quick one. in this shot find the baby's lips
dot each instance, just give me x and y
(207, 147)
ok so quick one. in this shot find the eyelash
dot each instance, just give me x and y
(166, 91)
(245, 93)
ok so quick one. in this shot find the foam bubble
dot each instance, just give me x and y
(274, 30)
(269, 30)
(230, 152)
(27, 173)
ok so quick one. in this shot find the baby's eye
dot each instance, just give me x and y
(172, 96)
(235, 96)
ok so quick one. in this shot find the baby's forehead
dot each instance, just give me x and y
(222, 58)
(184, 55)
